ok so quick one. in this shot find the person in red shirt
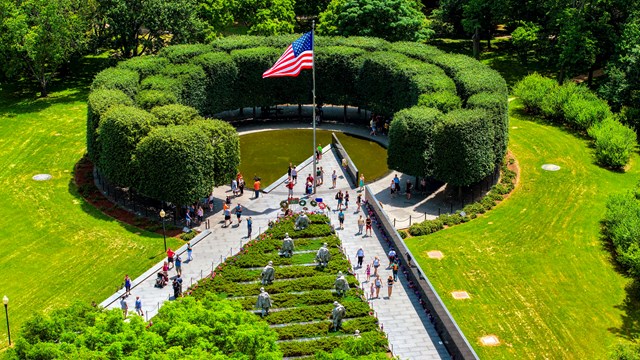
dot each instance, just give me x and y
(290, 187)
(170, 254)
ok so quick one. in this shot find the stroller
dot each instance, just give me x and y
(162, 279)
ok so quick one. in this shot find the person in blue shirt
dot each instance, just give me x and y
(341, 219)
(178, 262)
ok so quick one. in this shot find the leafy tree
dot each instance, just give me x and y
(266, 17)
(226, 146)
(577, 45)
(38, 36)
(207, 329)
(217, 14)
(525, 38)
(614, 143)
(310, 8)
(484, 15)
(393, 20)
(138, 26)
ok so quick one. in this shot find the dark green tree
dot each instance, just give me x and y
(38, 36)
(484, 15)
(137, 26)
(226, 148)
(177, 162)
(266, 17)
(393, 20)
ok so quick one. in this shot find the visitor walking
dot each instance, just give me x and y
(408, 256)
(124, 306)
(321, 176)
(409, 188)
(294, 175)
(189, 252)
(390, 282)
(234, 187)
(319, 152)
(360, 225)
(239, 213)
(392, 256)
(249, 226)
(241, 184)
(170, 255)
(368, 229)
(200, 214)
(334, 179)
(396, 180)
(138, 306)
(361, 182)
(178, 265)
(318, 174)
(341, 219)
(392, 188)
(378, 284)
(394, 269)
(359, 202)
(376, 265)
(346, 199)
(360, 255)
(340, 198)
(256, 187)
(290, 187)
(227, 215)
(127, 285)
(368, 272)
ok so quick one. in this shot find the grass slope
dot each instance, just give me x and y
(267, 154)
(537, 272)
(56, 247)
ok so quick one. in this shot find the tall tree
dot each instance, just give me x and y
(138, 26)
(393, 20)
(484, 15)
(266, 17)
(38, 36)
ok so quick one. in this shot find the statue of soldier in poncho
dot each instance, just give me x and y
(287, 246)
(341, 284)
(264, 302)
(268, 274)
(302, 222)
(323, 256)
(337, 315)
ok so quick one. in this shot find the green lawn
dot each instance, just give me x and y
(267, 154)
(57, 248)
(537, 271)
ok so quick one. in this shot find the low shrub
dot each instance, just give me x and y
(175, 114)
(552, 106)
(124, 80)
(444, 101)
(622, 228)
(614, 143)
(533, 90)
(188, 236)
(583, 110)
(181, 54)
(148, 99)
(144, 65)
(426, 227)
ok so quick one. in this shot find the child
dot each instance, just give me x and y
(368, 272)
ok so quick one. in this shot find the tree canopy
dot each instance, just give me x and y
(393, 20)
(185, 329)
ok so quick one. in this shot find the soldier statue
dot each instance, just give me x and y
(323, 256)
(268, 274)
(264, 302)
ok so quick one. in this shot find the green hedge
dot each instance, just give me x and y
(124, 80)
(181, 54)
(495, 104)
(121, 128)
(148, 99)
(222, 74)
(411, 142)
(582, 110)
(336, 62)
(622, 228)
(226, 148)
(177, 164)
(464, 144)
(366, 72)
(98, 103)
(614, 143)
(193, 84)
(175, 114)
(145, 65)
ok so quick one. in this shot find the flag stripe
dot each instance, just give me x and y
(289, 64)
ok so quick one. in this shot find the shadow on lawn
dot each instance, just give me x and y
(630, 307)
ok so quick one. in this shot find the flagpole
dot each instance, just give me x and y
(313, 75)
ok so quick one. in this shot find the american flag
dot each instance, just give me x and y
(298, 56)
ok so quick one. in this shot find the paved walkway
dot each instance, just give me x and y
(410, 333)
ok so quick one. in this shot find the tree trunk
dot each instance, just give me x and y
(590, 77)
(43, 88)
(561, 76)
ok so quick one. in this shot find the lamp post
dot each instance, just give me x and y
(164, 235)
(5, 300)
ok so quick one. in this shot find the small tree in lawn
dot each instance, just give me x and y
(38, 36)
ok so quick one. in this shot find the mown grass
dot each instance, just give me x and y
(56, 247)
(539, 275)
(268, 154)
